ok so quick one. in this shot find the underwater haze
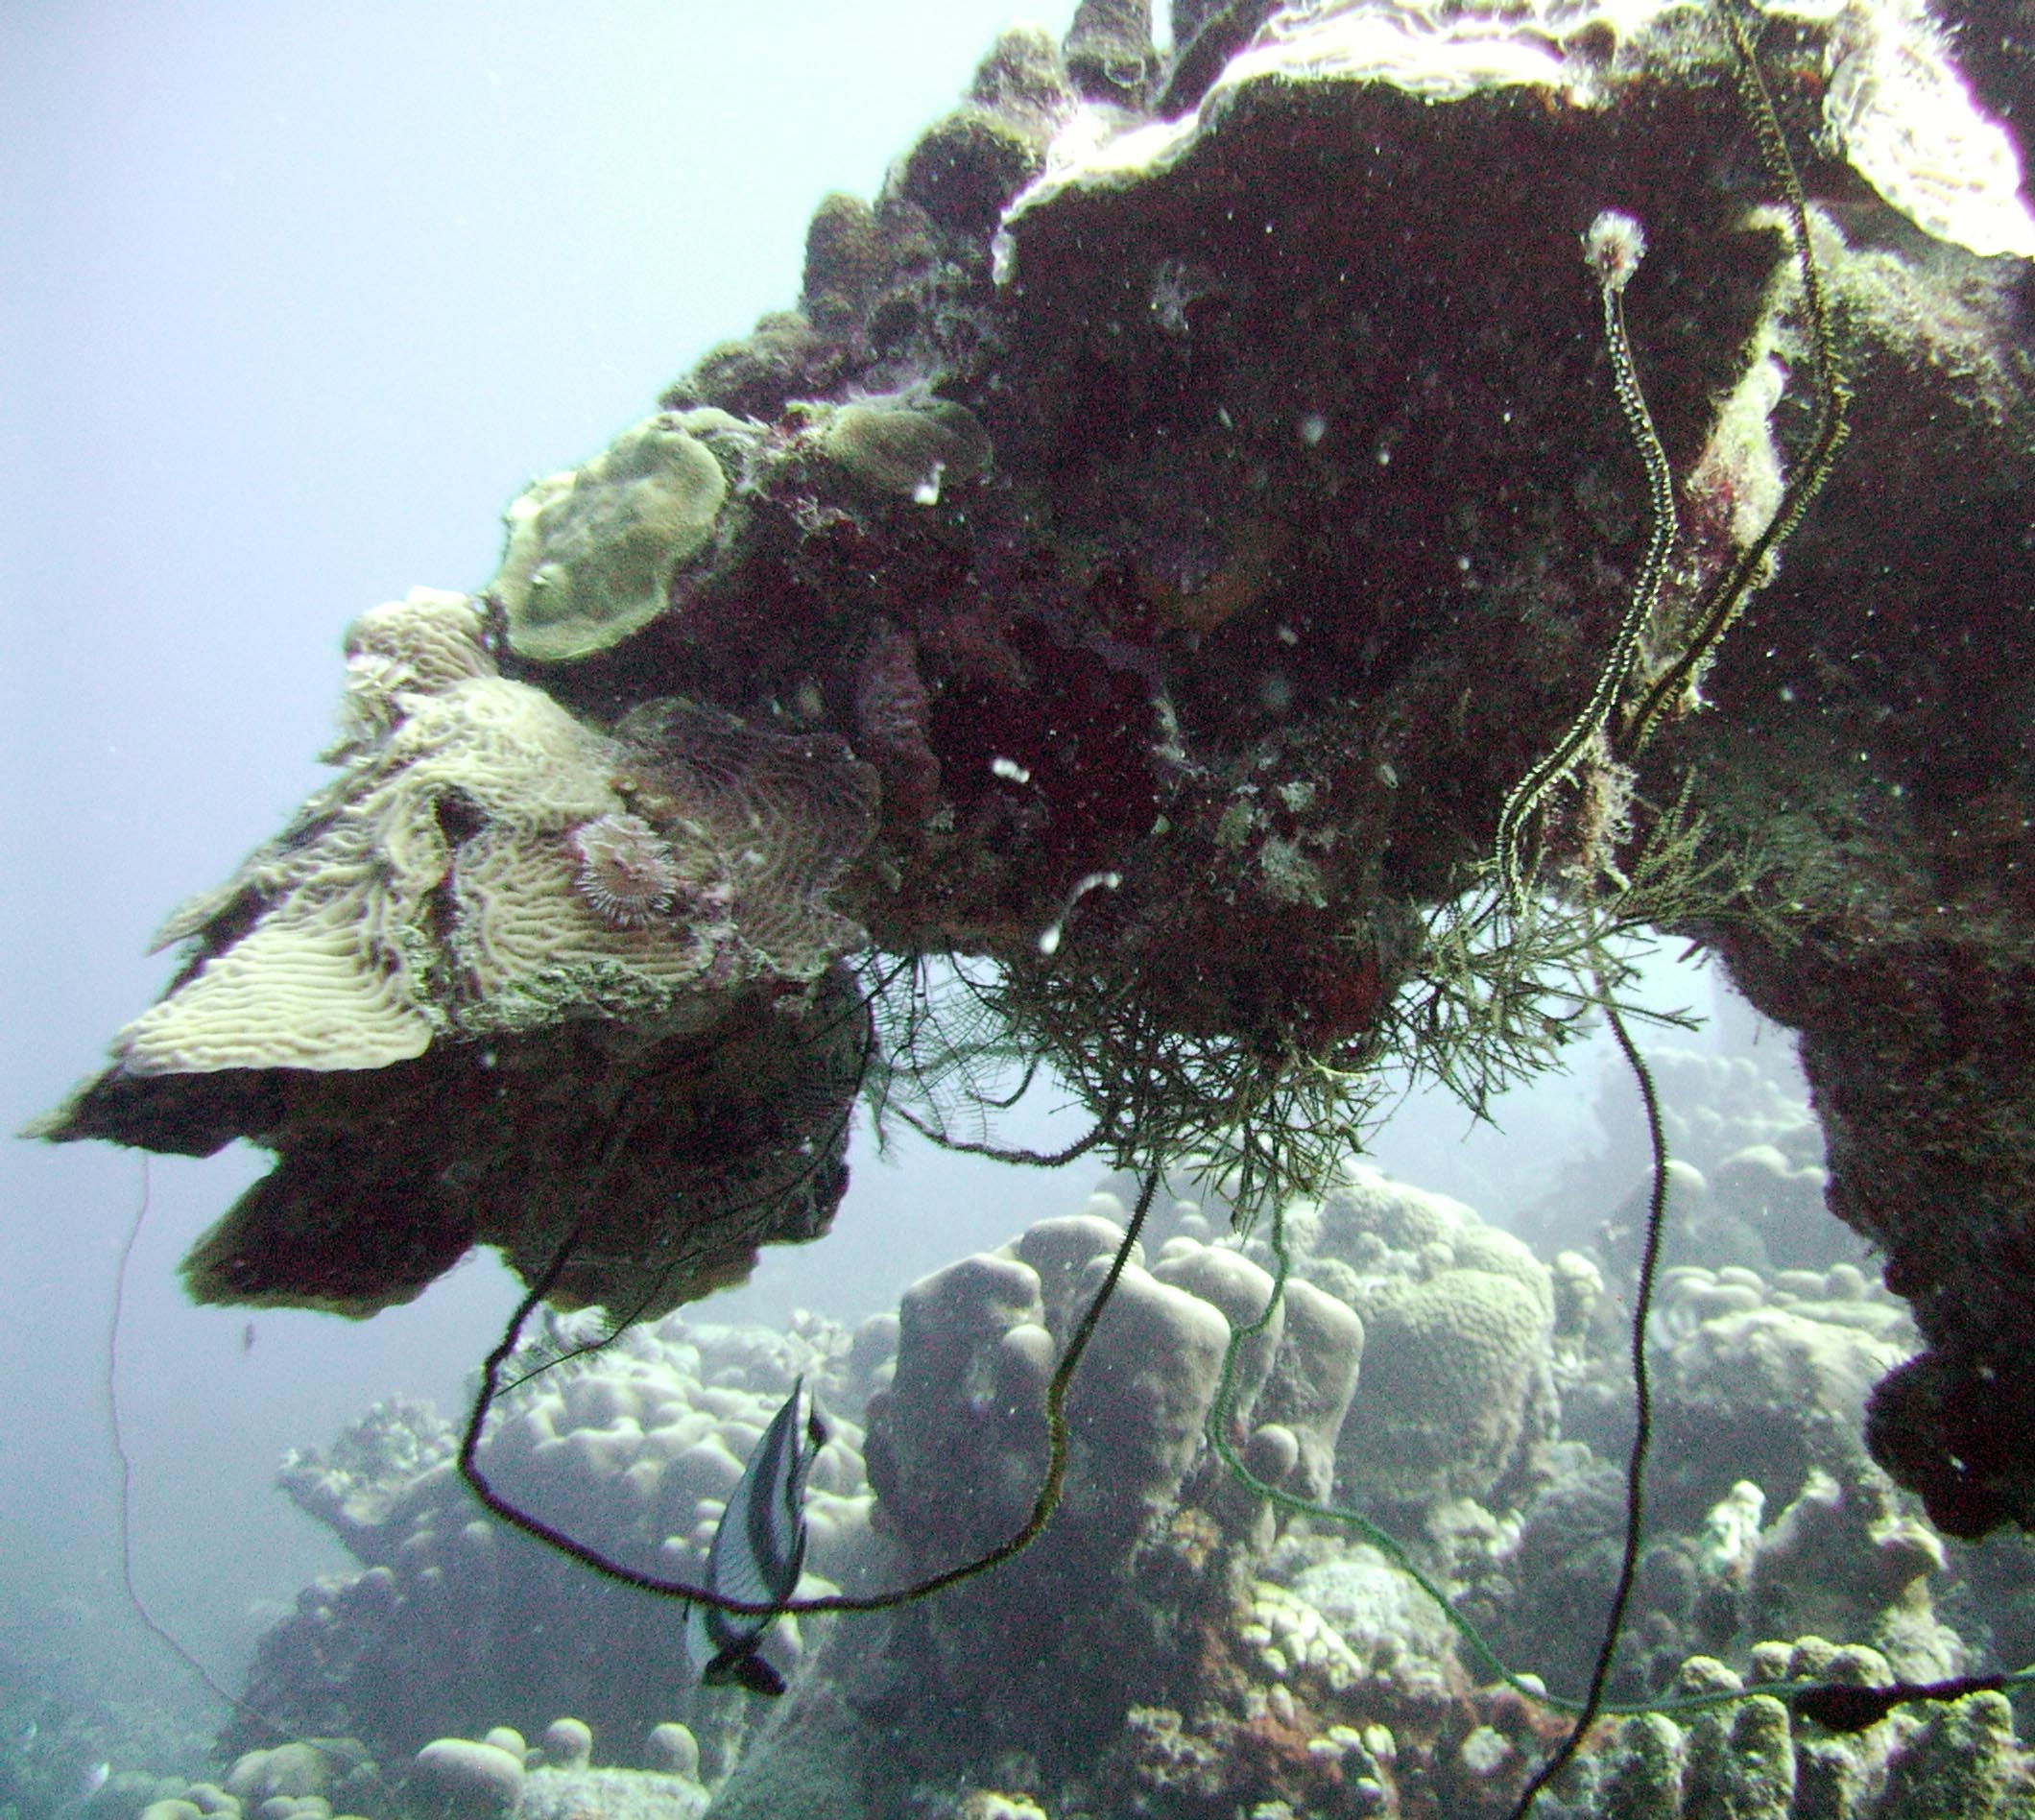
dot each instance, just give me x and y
(1001, 795)
(294, 298)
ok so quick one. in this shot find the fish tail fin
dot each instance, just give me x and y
(743, 1668)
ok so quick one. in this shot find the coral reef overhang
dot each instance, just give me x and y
(1171, 526)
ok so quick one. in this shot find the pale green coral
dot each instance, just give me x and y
(1640, 1777)
(1450, 1373)
(1364, 1203)
(434, 887)
(1964, 1766)
(907, 444)
(1292, 1641)
(592, 550)
(1459, 1317)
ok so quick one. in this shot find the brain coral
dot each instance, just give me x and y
(1151, 1538)
(785, 815)
(592, 550)
(418, 645)
(431, 903)
(1449, 1383)
(625, 871)
(1459, 1319)
(314, 955)
(323, 951)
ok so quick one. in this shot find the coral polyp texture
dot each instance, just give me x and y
(1163, 559)
(492, 897)
(448, 1621)
(592, 550)
(1457, 1396)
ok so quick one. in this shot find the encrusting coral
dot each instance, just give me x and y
(330, 949)
(907, 445)
(1165, 560)
(439, 928)
(592, 551)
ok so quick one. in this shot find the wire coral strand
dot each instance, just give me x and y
(1804, 1692)
(1613, 271)
(1592, 1704)
(116, 1433)
(1221, 1413)
(1727, 600)
(1043, 1505)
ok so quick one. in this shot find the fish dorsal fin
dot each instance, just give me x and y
(757, 1551)
(760, 1546)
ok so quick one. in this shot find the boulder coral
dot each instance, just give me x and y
(1753, 1760)
(1457, 1388)
(1450, 1399)
(1748, 1153)
(1168, 1638)
(1765, 1513)
(451, 1620)
(299, 1779)
(500, 1778)
(495, 1777)
(1764, 1391)
(461, 1780)
(979, 1338)
(1258, 656)
(1144, 1543)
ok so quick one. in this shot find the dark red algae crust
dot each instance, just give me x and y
(1198, 552)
